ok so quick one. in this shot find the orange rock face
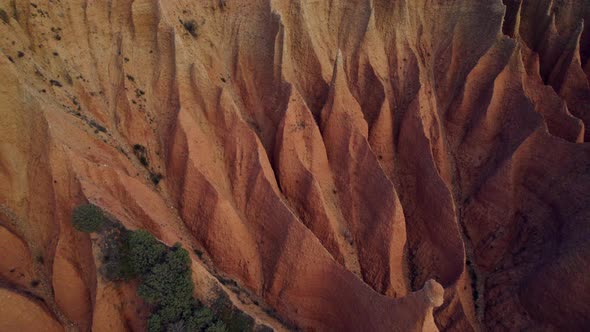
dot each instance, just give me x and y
(364, 165)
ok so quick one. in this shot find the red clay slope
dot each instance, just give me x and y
(345, 162)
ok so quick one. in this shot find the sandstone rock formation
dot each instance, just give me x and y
(362, 165)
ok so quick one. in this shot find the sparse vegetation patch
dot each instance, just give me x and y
(163, 272)
(55, 83)
(97, 126)
(191, 27)
(155, 177)
(3, 16)
(141, 153)
(87, 218)
(473, 277)
(56, 33)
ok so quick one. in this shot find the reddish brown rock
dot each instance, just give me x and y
(349, 165)
(19, 313)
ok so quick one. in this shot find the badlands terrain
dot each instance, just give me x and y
(329, 165)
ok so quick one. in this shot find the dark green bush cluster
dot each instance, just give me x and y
(115, 260)
(144, 251)
(235, 320)
(166, 284)
(88, 218)
(164, 273)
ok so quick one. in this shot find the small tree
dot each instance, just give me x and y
(154, 323)
(88, 218)
(219, 326)
(144, 251)
(169, 286)
(164, 280)
(115, 256)
(201, 318)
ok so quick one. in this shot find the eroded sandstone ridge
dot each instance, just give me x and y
(329, 158)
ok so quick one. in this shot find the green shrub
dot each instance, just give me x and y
(200, 319)
(55, 83)
(88, 218)
(141, 153)
(3, 16)
(154, 323)
(144, 251)
(169, 286)
(234, 320)
(191, 27)
(164, 287)
(218, 327)
(115, 255)
(177, 327)
(156, 177)
(178, 259)
(164, 280)
(97, 126)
